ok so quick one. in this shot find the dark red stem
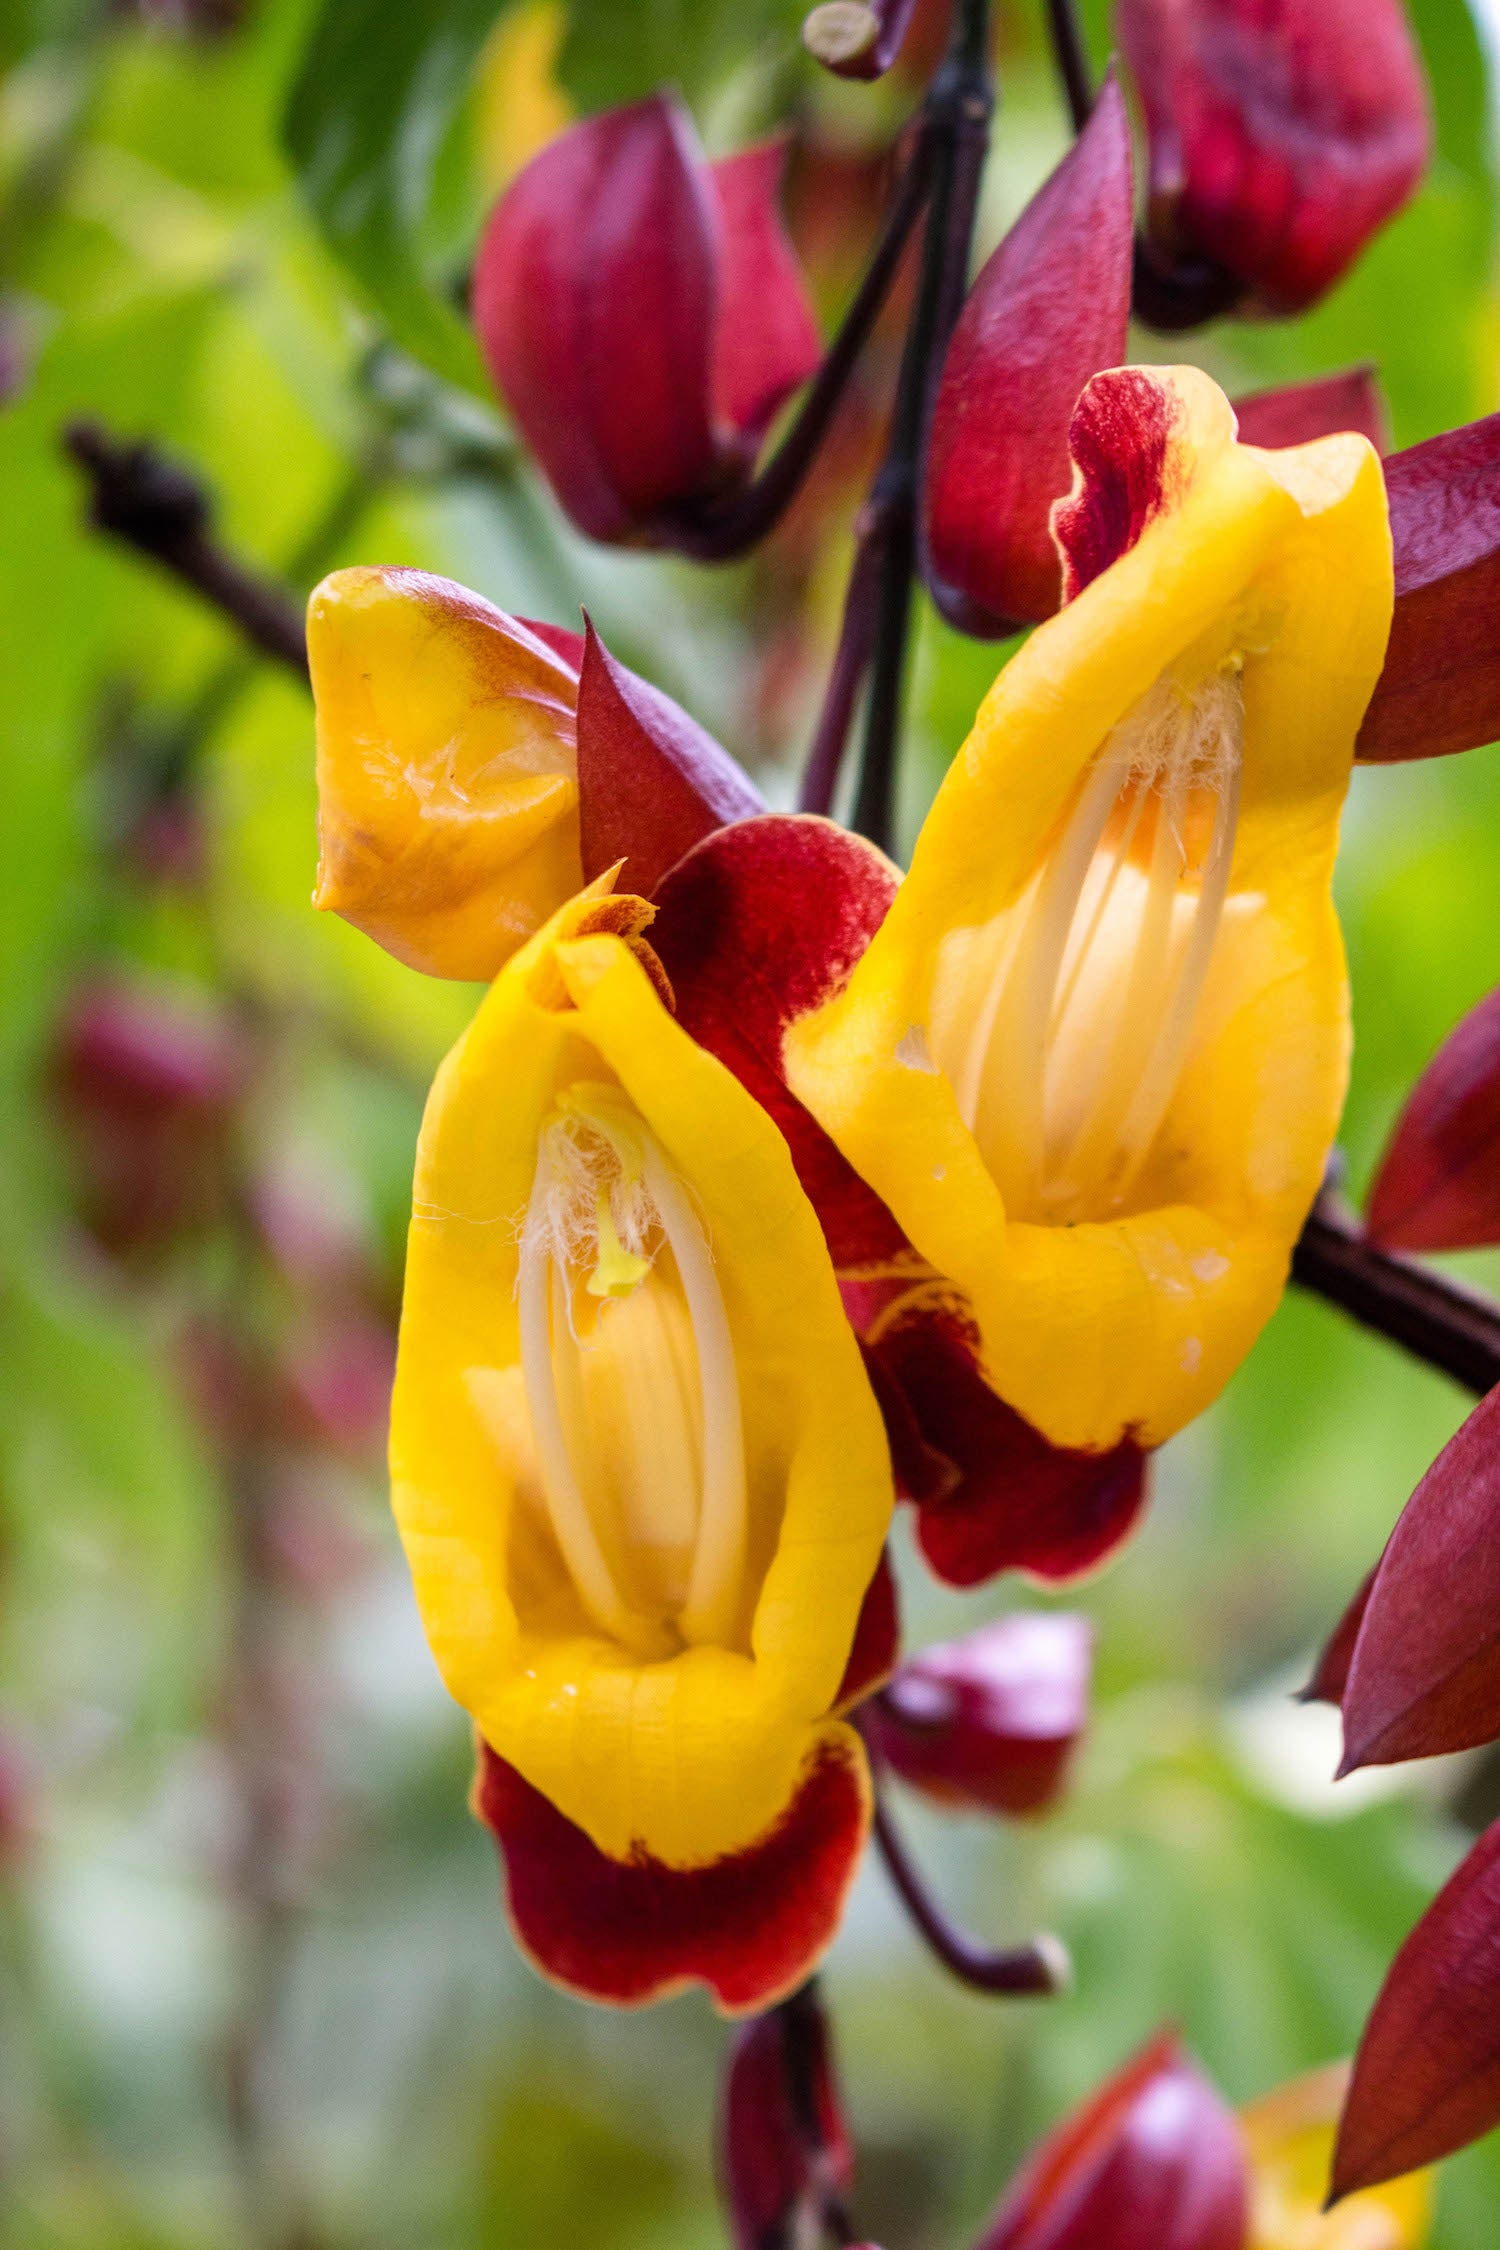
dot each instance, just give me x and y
(1038, 1968)
(1454, 1329)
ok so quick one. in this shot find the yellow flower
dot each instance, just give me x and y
(1094, 1059)
(639, 1472)
(447, 769)
(1289, 2134)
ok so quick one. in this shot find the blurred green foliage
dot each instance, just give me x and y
(215, 238)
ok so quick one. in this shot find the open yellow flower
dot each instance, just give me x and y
(638, 1469)
(1289, 2135)
(1094, 1058)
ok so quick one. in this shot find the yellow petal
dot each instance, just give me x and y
(1129, 1318)
(1290, 2135)
(447, 772)
(692, 1752)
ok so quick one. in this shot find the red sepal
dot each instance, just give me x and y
(1298, 412)
(991, 1493)
(595, 294)
(1427, 2076)
(651, 781)
(561, 639)
(877, 1638)
(776, 2164)
(990, 1722)
(765, 338)
(1425, 1673)
(862, 40)
(1438, 1187)
(1048, 310)
(1118, 440)
(1282, 136)
(1153, 2162)
(1331, 1672)
(1440, 688)
(750, 1926)
(755, 927)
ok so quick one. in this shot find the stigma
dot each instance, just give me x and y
(630, 1381)
(1064, 1023)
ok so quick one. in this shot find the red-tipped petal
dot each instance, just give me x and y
(1282, 133)
(1440, 688)
(877, 1638)
(595, 302)
(1120, 439)
(651, 781)
(990, 1721)
(1331, 1672)
(757, 926)
(1438, 1187)
(1048, 311)
(765, 338)
(777, 2164)
(1425, 1673)
(858, 38)
(1298, 412)
(1003, 1498)
(1427, 2076)
(749, 1927)
(1153, 2162)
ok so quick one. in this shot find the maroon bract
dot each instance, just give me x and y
(1296, 413)
(1153, 2162)
(642, 313)
(989, 1722)
(1424, 1676)
(651, 781)
(858, 38)
(776, 2161)
(1049, 309)
(1440, 688)
(1427, 2076)
(1438, 1186)
(1331, 1672)
(1282, 133)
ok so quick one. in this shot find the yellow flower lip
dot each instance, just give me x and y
(447, 769)
(1289, 2136)
(651, 1631)
(1093, 1059)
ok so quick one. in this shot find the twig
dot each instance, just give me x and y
(1454, 1329)
(959, 110)
(137, 495)
(1040, 1967)
(851, 661)
(1071, 57)
(718, 533)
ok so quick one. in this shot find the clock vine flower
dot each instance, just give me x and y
(1093, 1058)
(640, 1476)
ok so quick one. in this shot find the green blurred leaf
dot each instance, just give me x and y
(370, 130)
(617, 53)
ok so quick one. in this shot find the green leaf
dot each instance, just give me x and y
(370, 131)
(614, 53)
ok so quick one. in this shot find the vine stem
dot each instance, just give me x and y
(803, 2048)
(1039, 1968)
(1450, 1327)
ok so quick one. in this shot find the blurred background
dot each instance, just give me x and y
(255, 1985)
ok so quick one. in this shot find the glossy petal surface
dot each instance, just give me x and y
(693, 1756)
(447, 773)
(765, 338)
(748, 1925)
(990, 1721)
(1184, 551)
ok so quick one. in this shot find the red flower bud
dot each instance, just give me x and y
(1438, 1186)
(1153, 2162)
(643, 314)
(784, 2151)
(1047, 311)
(990, 1721)
(1282, 133)
(146, 1084)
